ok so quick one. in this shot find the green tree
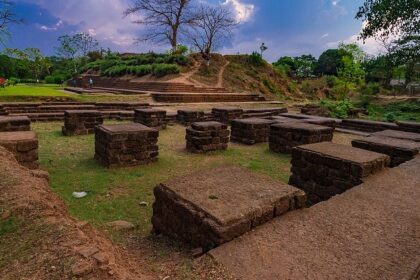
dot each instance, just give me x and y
(37, 63)
(384, 18)
(301, 66)
(355, 50)
(330, 61)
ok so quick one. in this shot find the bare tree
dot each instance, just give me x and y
(166, 19)
(6, 17)
(213, 25)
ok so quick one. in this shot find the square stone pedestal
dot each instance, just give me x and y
(14, 123)
(251, 131)
(125, 145)
(81, 122)
(325, 169)
(209, 208)
(187, 117)
(227, 115)
(153, 118)
(285, 136)
(24, 145)
(207, 136)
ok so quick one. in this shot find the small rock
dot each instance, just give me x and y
(144, 203)
(88, 251)
(101, 258)
(121, 225)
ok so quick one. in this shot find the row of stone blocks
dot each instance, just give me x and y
(207, 136)
(81, 122)
(126, 145)
(14, 123)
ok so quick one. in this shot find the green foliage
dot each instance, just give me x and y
(255, 59)
(403, 110)
(330, 61)
(161, 70)
(368, 93)
(158, 70)
(338, 109)
(271, 87)
(350, 71)
(55, 79)
(301, 66)
(390, 117)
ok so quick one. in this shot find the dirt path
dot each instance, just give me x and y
(369, 232)
(220, 75)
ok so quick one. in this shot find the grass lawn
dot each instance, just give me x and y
(116, 194)
(25, 92)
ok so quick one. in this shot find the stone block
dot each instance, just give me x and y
(411, 136)
(325, 169)
(209, 208)
(227, 115)
(285, 136)
(251, 131)
(409, 126)
(398, 150)
(187, 117)
(24, 145)
(125, 145)
(81, 122)
(14, 123)
(207, 136)
(153, 118)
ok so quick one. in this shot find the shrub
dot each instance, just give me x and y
(54, 79)
(390, 117)
(255, 59)
(338, 109)
(161, 70)
(368, 93)
(116, 71)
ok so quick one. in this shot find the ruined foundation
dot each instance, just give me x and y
(207, 136)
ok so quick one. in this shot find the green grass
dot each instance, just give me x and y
(116, 194)
(24, 92)
(401, 111)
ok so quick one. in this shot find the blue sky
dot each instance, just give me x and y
(288, 27)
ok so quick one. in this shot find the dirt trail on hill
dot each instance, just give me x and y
(40, 241)
(221, 73)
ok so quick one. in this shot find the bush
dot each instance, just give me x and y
(54, 79)
(331, 80)
(338, 109)
(368, 93)
(116, 71)
(390, 117)
(140, 70)
(255, 59)
(161, 70)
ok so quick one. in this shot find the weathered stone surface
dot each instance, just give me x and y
(409, 126)
(399, 150)
(125, 145)
(81, 122)
(325, 169)
(398, 135)
(212, 207)
(207, 136)
(285, 136)
(24, 145)
(367, 125)
(251, 131)
(154, 118)
(187, 117)
(14, 123)
(227, 115)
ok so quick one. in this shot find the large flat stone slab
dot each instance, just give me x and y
(324, 170)
(398, 134)
(399, 150)
(14, 123)
(369, 232)
(409, 126)
(209, 208)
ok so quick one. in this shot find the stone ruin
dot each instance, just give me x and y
(81, 122)
(14, 123)
(324, 170)
(125, 145)
(398, 150)
(227, 115)
(187, 117)
(154, 118)
(207, 136)
(24, 145)
(285, 136)
(212, 207)
(251, 131)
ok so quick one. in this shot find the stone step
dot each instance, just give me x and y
(203, 97)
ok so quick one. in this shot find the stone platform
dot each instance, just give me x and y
(227, 115)
(324, 170)
(24, 145)
(285, 136)
(399, 150)
(207, 136)
(409, 126)
(212, 207)
(368, 232)
(125, 145)
(411, 136)
(153, 118)
(81, 122)
(251, 131)
(14, 123)
(187, 117)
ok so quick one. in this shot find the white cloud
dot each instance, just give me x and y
(243, 12)
(52, 28)
(324, 36)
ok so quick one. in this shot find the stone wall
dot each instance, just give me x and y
(207, 136)
(285, 136)
(14, 123)
(125, 145)
(154, 118)
(251, 131)
(324, 170)
(80, 122)
(24, 145)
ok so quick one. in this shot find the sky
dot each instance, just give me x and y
(287, 27)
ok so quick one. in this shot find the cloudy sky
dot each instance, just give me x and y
(287, 27)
